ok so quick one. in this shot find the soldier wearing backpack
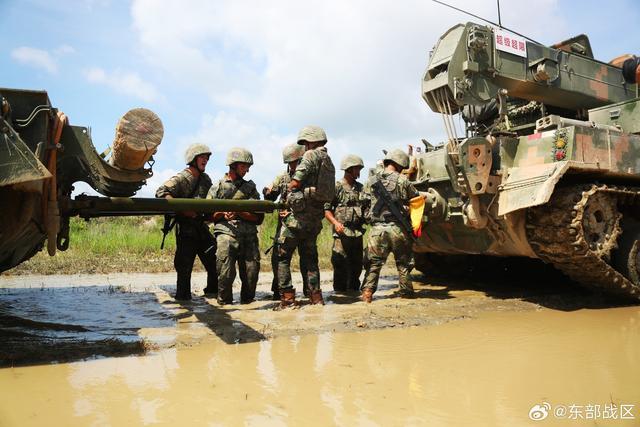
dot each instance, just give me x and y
(311, 186)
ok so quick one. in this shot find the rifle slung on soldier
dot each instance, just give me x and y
(397, 210)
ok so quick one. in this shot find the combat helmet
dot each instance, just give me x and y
(311, 134)
(398, 157)
(194, 150)
(239, 155)
(292, 153)
(351, 160)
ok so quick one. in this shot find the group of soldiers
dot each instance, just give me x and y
(310, 193)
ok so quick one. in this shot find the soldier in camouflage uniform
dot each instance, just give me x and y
(346, 213)
(386, 235)
(236, 232)
(192, 234)
(291, 155)
(301, 227)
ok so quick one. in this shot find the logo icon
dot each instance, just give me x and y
(539, 412)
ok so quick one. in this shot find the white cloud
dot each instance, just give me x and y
(35, 57)
(127, 83)
(352, 67)
(64, 49)
(226, 130)
(353, 64)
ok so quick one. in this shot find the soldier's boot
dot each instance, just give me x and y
(406, 293)
(183, 279)
(316, 297)
(275, 289)
(287, 298)
(210, 292)
(367, 295)
(183, 291)
(182, 296)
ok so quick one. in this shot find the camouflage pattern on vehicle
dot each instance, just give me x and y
(548, 165)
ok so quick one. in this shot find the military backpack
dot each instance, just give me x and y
(326, 184)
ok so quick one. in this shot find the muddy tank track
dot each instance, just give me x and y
(583, 232)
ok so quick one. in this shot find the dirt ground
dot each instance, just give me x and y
(63, 318)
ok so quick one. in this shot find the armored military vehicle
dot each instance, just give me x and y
(548, 163)
(42, 156)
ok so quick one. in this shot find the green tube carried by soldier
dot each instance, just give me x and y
(390, 232)
(346, 213)
(192, 233)
(236, 233)
(311, 186)
(291, 155)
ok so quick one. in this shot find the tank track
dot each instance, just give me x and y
(578, 231)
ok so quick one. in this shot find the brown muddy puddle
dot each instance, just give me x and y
(490, 370)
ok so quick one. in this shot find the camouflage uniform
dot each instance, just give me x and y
(192, 234)
(237, 241)
(348, 208)
(386, 236)
(300, 229)
(278, 188)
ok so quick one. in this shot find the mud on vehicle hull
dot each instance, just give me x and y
(548, 166)
(589, 232)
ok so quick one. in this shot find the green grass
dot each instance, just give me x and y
(132, 244)
(111, 235)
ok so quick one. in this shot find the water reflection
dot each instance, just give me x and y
(488, 371)
(266, 367)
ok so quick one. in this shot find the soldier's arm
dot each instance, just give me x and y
(364, 199)
(407, 190)
(304, 169)
(330, 206)
(168, 189)
(272, 191)
(329, 209)
(366, 193)
(410, 192)
(339, 227)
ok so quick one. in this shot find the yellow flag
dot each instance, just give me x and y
(416, 211)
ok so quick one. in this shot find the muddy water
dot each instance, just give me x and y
(485, 371)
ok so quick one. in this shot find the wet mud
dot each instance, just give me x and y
(469, 351)
(47, 319)
(491, 370)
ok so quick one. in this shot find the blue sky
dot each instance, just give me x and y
(251, 73)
